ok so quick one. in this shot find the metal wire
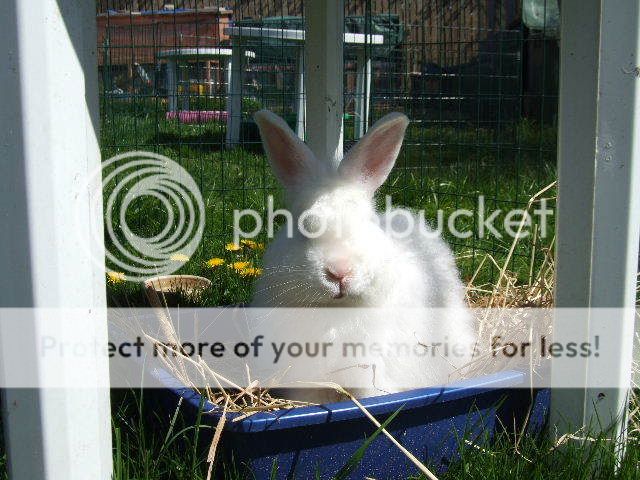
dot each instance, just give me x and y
(479, 86)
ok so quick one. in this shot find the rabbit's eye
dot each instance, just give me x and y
(312, 225)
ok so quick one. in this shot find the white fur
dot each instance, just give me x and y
(417, 271)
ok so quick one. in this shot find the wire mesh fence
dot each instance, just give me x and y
(478, 79)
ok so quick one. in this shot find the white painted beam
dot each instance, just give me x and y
(300, 94)
(323, 74)
(48, 144)
(234, 94)
(363, 92)
(598, 218)
(172, 84)
(299, 35)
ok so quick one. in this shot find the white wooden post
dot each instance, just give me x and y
(208, 78)
(598, 218)
(324, 78)
(300, 93)
(48, 144)
(183, 80)
(228, 67)
(234, 97)
(363, 91)
(172, 84)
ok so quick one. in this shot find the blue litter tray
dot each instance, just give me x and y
(316, 441)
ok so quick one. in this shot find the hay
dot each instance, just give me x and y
(507, 293)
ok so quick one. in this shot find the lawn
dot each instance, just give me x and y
(149, 445)
(440, 167)
(167, 447)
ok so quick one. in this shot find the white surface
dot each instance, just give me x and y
(200, 52)
(234, 96)
(299, 35)
(363, 94)
(301, 108)
(172, 85)
(48, 144)
(599, 199)
(175, 55)
(319, 85)
(324, 73)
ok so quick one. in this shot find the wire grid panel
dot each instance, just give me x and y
(478, 83)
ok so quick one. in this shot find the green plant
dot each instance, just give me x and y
(150, 446)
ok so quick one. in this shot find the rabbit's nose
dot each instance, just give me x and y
(337, 272)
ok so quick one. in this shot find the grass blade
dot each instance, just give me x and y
(356, 458)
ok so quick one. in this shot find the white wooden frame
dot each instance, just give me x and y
(598, 217)
(173, 56)
(325, 65)
(48, 144)
(314, 17)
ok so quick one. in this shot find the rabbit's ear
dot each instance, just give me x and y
(371, 159)
(290, 158)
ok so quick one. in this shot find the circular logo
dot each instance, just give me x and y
(146, 177)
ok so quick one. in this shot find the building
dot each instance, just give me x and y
(129, 43)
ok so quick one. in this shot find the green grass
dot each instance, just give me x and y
(148, 446)
(3, 457)
(439, 168)
(537, 459)
(151, 443)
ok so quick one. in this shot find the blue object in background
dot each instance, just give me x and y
(315, 441)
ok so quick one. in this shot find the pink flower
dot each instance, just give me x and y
(197, 116)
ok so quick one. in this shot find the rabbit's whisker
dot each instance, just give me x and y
(276, 285)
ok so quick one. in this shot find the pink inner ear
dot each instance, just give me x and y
(373, 157)
(380, 155)
(289, 156)
(282, 150)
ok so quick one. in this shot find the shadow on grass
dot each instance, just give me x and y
(209, 140)
(203, 142)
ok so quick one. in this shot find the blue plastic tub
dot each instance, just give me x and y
(311, 442)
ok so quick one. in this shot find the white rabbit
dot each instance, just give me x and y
(360, 258)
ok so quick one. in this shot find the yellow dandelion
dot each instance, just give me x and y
(248, 243)
(179, 257)
(214, 262)
(252, 244)
(250, 272)
(232, 247)
(115, 277)
(238, 266)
